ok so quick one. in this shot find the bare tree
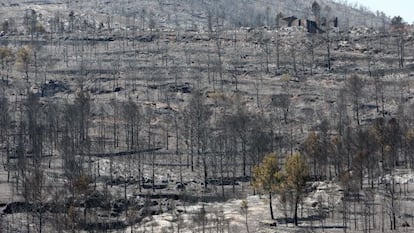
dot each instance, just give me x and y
(6, 58)
(23, 60)
(354, 87)
(278, 39)
(5, 120)
(133, 120)
(398, 27)
(239, 123)
(244, 207)
(199, 113)
(265, 44)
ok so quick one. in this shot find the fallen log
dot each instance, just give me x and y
(124, 153)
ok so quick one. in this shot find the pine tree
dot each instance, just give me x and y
(295, 179)
(267, 177)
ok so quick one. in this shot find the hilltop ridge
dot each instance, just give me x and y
(189, 14)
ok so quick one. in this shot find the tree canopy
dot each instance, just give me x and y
(296, 172)
(267, 176)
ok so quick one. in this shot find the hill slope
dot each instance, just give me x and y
(192, 14)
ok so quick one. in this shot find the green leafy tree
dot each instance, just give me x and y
(296, 174)
(267, 177)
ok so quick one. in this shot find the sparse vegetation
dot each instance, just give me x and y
(177, 116)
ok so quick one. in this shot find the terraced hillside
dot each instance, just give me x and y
(139, 115)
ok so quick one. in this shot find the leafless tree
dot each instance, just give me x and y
(4, 132)
(199, 113)
(354, 87)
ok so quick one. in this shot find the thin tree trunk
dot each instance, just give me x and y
(295, 216)
(271, 206)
